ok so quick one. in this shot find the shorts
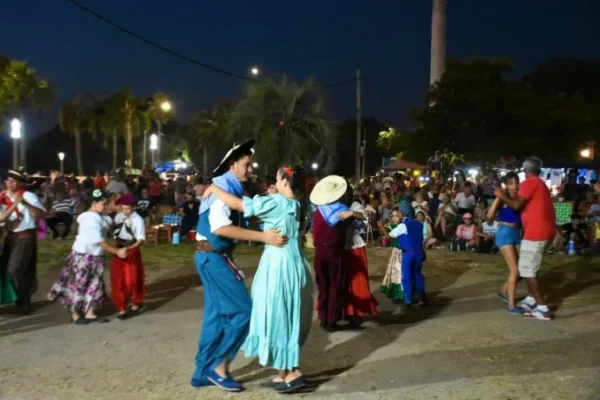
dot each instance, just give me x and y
(530, 257)
(508, 236)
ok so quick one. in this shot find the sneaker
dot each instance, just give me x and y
(539, 314)
(514, 310)
(527, 304)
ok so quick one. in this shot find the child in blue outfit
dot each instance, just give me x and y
(410, 240)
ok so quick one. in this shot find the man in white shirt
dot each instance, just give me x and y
(465, 200)
(21, 209)
(227, 304)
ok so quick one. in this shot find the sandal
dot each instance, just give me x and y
(292, 386)
(78, 321)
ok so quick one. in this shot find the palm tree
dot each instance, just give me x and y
(22, 88)
(288, 122)
(75, 117)
(208, 129)
(124, 113)
(108, 123)
(159, 111)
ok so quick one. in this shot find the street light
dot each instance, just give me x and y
(166, 106)
(153, 147)
(255, 165)
(61, 157)
(315, 166)
(586, 153)
(15, 134)
(255, 71)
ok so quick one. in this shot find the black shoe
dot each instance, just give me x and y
(355, 322)
(424, 302)
(270, 384)
(100, 320)
(123, 316)
(292, 386)
(133, 313)
(330, 327)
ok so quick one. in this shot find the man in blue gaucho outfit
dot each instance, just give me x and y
(227, 304)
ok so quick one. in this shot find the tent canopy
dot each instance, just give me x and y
(403, 164)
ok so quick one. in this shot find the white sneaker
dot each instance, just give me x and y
(527, 304)
(545, 315)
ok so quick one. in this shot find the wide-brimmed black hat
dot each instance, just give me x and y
(17, 175)
(234, 154)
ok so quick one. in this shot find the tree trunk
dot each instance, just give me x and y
(438, 41)
(205, 162)
(114, 150)
(128, 135)
(145, 150)
(78, 154)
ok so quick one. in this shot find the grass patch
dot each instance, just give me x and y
(164, 257)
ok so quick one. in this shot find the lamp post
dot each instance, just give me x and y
(61, 157)
(15, 134)
(166, 106)
(255, 71)
(153, 148)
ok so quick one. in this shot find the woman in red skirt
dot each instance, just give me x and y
(360, 300)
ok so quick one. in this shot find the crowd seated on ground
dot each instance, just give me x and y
(444, 208)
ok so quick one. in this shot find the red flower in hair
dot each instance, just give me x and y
(288, 171)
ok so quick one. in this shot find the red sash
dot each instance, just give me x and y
(6, 201)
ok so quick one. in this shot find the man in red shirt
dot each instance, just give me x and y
(538, 219)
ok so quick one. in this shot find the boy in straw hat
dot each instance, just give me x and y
(19, 256)
(227, 304)
(329, 234)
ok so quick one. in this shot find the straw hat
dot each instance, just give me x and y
(328, 190)
(17, 175)
(233, 153)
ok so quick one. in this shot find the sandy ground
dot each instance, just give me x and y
(464, 346)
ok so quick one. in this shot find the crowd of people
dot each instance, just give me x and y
(518, 219)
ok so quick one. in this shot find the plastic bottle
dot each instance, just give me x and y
(572, 248)
(176, 238)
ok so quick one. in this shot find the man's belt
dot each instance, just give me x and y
(24, 234)
(204, 246)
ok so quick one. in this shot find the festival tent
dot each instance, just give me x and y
(403, 164)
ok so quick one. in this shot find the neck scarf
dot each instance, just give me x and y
(331, 212)
(227, 182)
(7, 202)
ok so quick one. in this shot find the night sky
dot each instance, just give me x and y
(389, 40)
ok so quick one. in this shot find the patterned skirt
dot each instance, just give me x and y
(392, 280)
(80, 285)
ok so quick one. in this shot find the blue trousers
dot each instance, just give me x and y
(227, 309)
(412, 276)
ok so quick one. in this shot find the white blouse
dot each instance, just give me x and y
(353, 238)
(28, 221)
(93, 230)
(135, 223)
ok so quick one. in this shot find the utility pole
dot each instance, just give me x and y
(358, 120)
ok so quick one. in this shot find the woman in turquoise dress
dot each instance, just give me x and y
(282, 301)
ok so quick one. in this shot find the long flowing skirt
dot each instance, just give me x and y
(392, 280)
(282, 306)
(360, 300)
(80, 285)
(8, 295)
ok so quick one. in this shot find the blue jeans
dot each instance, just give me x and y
(227, 308)
(508, 236)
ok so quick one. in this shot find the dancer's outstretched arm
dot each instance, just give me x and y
(231, 201)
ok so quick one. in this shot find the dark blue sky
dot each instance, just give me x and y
(388, 39)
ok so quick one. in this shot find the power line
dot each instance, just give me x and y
(156, 45)
(175, 53)
(377, 92)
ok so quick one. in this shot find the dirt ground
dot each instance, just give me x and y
(464, 346)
